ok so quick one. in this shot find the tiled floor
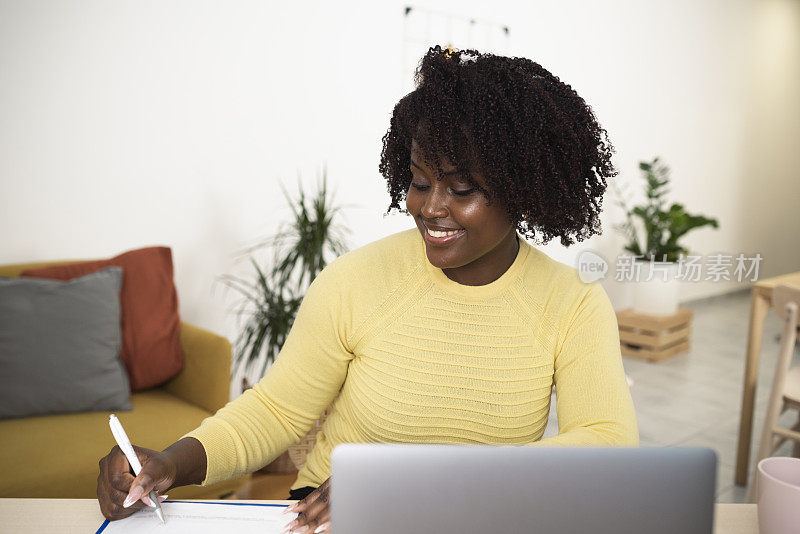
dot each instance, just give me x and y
(695, 398)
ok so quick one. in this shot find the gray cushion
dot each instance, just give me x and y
(60, 344)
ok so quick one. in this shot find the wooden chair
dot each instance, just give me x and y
(785, 392)
(299, 451)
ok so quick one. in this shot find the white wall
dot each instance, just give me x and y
(127, 124)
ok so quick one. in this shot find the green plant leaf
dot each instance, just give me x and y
(663, 227)
(301, 249)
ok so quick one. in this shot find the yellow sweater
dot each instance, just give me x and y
(407, 355)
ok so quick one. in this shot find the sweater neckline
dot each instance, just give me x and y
(487, 290)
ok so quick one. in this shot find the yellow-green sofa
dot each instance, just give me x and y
(56, 456)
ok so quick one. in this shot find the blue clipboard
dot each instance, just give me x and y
(106, 522)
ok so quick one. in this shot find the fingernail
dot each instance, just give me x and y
(302, 529)
(287, 510)
(162, 498)
(147, 501)
(322, 528)
(133, 496)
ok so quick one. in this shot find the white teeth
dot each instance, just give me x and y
(435, 233)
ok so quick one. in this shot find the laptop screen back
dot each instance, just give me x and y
(477, 489)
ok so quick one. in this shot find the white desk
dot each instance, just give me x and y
(83, 515)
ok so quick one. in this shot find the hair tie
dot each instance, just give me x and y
(466, 57)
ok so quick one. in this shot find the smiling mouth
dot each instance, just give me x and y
(442, 233)
(440, 228)
(439, 238)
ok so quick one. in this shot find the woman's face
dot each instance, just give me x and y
(485, 243)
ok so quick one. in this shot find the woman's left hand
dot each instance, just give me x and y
(314, 510)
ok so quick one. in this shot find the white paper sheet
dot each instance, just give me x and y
(204, 518)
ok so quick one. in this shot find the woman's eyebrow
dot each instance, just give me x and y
(415, 164)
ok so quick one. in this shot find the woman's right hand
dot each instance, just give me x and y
(117, 487)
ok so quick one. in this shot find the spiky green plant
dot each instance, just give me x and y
(301, 249)
(662, 227)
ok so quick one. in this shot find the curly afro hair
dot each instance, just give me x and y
(535, 141)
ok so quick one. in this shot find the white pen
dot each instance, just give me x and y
(125, 444)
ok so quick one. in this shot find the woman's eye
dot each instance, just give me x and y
(459, 193)
(464, 193)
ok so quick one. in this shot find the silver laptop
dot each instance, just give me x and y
(480, 489)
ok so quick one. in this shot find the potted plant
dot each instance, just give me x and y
(661, 227)
(271, 299)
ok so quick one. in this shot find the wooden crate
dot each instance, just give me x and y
(654, 337)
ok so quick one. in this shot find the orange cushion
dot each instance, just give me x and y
(151, 350)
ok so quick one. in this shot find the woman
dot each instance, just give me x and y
(454, 331)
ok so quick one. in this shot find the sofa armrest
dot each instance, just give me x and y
(205, 379)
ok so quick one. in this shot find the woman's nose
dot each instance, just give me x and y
(435, 204)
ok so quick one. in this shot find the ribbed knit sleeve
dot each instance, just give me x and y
(278, 411)
(594, 402)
